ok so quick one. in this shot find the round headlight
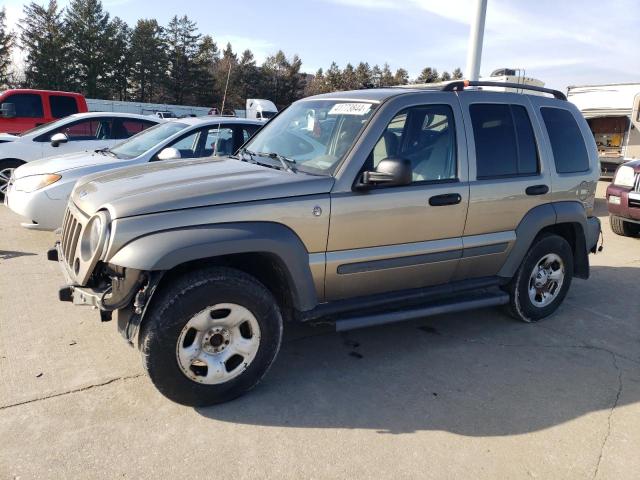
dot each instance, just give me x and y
(94, 236)
(625, 176)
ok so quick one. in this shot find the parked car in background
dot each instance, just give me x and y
(360, 208)
(24, 109)
(39, 190)
(623, 200)
(613, 114)
(76, 133)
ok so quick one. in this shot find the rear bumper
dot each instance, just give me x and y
(593, 233)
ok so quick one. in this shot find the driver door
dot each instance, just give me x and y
(394, 238)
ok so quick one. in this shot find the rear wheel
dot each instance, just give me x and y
(6, 170)
(210, 336)
(543, 279)
(621, 227)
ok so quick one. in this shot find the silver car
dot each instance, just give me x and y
(39, 190)
(358, 208)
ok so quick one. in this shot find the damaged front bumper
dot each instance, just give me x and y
(123, 291)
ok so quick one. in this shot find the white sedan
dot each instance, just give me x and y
(75, 133)
(39, 190)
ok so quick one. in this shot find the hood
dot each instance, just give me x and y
(635, 164)
(161, 186)
(66, 162)
(7, 137)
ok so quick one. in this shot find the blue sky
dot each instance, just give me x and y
(562, 42)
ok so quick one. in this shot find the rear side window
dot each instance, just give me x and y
(28, 105)
(569, 151)
(504, 140)
(62, 106)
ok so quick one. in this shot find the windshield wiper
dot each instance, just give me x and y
(287, 163)
(241, 155)
(105, 151)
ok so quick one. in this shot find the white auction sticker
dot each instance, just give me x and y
(350, 109)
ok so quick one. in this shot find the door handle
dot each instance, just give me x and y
(537, 190)
(446, 199)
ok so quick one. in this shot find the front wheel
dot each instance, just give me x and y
(210, 336)
(625, 229)
(543, 279)
(6, 169)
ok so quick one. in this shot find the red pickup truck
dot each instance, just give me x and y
(24, 109)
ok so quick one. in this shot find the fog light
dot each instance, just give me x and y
(613, 200)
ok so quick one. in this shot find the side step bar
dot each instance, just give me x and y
(471, 302)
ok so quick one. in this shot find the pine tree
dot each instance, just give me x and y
(428, 75)
(363, 75)
(118, 56)
(349, 79)
(87, 25)
(44, 42)
(386, 77)
(148, 61)
(457, 74)
(204, 82)
(401, 77)
(181, 39)
(317, 84)
(376, 76)
(333, 78)
(228, 91)
(445, 76)
(6, 45)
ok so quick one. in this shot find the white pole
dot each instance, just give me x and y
(476, 35)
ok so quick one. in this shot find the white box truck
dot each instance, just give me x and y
(613, 115)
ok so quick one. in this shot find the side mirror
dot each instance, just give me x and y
(58, 138)
(8, 110)
(169, 153)
(390, 171)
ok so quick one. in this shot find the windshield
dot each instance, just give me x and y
(146, 140)
(268, 114)
(316, 134)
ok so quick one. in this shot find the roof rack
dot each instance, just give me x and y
(458, 86)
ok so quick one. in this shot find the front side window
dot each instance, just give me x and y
(504, 141)
(425, 136)
(28, 105)
(317, 134)
(62, 106)
(146, 140)
(569, 151)
(187, 146)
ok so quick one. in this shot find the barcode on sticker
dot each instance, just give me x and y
(350, 109)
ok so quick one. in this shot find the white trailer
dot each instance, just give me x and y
(612, 112)
(165, 110)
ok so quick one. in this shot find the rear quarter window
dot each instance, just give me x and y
(567, 144)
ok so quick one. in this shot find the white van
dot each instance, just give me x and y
(260, 109)
(612, 114)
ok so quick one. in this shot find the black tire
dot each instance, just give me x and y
(179, 301)
(5, 166)
(625, 229)
(520, 305)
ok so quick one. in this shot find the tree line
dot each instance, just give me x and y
(81, 48)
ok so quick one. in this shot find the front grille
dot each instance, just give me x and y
(71, 229)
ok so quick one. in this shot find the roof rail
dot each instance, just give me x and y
(462, 84)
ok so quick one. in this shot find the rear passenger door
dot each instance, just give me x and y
(506, 174)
